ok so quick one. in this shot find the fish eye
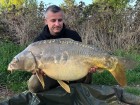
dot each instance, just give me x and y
(15, 60)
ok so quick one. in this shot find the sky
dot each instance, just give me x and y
(58, 2)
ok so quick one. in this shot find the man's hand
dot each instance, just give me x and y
(41, 72)
(93, 69)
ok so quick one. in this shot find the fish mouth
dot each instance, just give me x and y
(10, 68)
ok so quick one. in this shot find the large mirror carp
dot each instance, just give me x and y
(66, 60)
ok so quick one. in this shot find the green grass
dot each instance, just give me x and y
(133, 90)
(132, 75)
(17, 81)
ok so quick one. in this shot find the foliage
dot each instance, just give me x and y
(113, 4)
(31, 4)
(133, 90)
(11, 4)
(105, 28)
(100, 24)
(68, 3)
(132, 75)
(16, 80)
(23, 24)
(105, 78)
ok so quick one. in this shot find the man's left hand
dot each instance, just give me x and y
(93, 69)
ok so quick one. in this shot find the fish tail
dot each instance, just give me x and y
(118, 73)
(129, 63)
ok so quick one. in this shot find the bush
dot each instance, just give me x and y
(17, 80)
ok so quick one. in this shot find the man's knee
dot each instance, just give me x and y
(34, 84)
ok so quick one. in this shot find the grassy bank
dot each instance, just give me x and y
(132, 75)
(17, 81)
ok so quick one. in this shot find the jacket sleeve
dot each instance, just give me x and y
(73, 35)
(77, 37)
(40, 37)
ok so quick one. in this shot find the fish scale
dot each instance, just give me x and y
(66, 59)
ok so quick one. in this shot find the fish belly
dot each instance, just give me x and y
(71, 70)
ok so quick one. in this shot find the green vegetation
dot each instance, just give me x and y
(108, 24)
(133, 90)
(16, 80)
(8, 4)
(132, 75)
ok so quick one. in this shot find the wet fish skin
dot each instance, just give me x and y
(65, 59)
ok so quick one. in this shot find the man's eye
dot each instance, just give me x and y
(53, 20)
(59, 20)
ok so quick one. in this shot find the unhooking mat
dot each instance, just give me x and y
(81, 94)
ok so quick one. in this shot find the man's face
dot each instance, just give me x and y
(54, 22)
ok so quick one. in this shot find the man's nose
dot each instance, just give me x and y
(57, 23)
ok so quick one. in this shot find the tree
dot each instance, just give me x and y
(114, 4)
(10, 4)
(68, 3)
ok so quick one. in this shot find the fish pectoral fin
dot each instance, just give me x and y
(100, 70)
(119, 74)
(40, 77)
(64, 85)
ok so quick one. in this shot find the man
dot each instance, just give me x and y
(54, 29)
(85, 94)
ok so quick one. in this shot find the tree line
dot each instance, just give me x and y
(108, 24)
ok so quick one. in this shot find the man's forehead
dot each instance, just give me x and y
(51, 14)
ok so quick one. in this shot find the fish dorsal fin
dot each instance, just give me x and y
(40, 77)
(64, 85)
(65, 39)
(59, 40)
